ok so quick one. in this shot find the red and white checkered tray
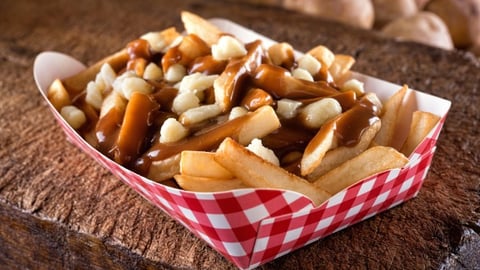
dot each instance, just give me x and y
(253, 226)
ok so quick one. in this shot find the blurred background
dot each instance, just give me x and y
(447, 24)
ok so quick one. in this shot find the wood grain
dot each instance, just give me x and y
(59, 209)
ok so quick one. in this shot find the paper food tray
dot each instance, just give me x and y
(250, 227)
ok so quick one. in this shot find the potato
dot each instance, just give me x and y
(358, 13)
(390, 10)
(462, 19)
(475, 49)
(423, 27)
(421, 3)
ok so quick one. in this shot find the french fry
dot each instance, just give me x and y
(134, 127)
(256, 172)
(164, 169)
(323, 54)
(339, 155)
(197, 25)
(189, 48)
(390, 118)
(58, 95)
(318, 146)
(276, 81)
(282, 54)
(368, 163)
(159, 41)
(346, 129)
(76, 84)
(262, 122)
(111, 117)
(113, 101)
(422, 124)
(226, 86)
(206, 184)
(256, 124)
(202, 164)
(340, 66)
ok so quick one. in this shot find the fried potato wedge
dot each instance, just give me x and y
(390, 118)
(197, 25)
(165, 169)
(256, 172)
(134, 127)
(337, 156)
(58, 95)
(244, 129)
(111, 117)
(226, 86)
(422, 124)
(207, 184)
(202, 164)
(316, 149)
(76, 84)
(261, 122)
(373, 160)
(324, 55)
(160, 41)
(341, 66)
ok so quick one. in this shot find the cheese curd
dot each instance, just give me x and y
(228, 47)
(288, 108)
(172, 131)
(257, 147)
(74, 116)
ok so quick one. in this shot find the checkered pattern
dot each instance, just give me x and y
(253, 226)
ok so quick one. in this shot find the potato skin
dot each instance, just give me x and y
(462, 19)
(424, 27)
(390, 10)
(358, 13)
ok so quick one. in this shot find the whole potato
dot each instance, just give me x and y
(475, 49)
(421, 3)
(389, 10)
(358, 13)
(462, 19)
(423, 27)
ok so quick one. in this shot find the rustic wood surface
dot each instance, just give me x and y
(59, 209)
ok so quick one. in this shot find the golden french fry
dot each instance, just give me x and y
(206, 184)
(256, 172)
(134, 127)
(202, 164)
(422, 124)
(323, 141)
(368, 163)
(261, 122)
(390, 118)
(323, 54)
(159, 41)
(76, 84)
(111, 117)
(276, 81)
(339, 155)
(245, 128)
(197, 25)
(226, 86)
(113, 101)
(189, 48)
(58, 95)
(340, 66)
(164, 169)
(282, 54)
